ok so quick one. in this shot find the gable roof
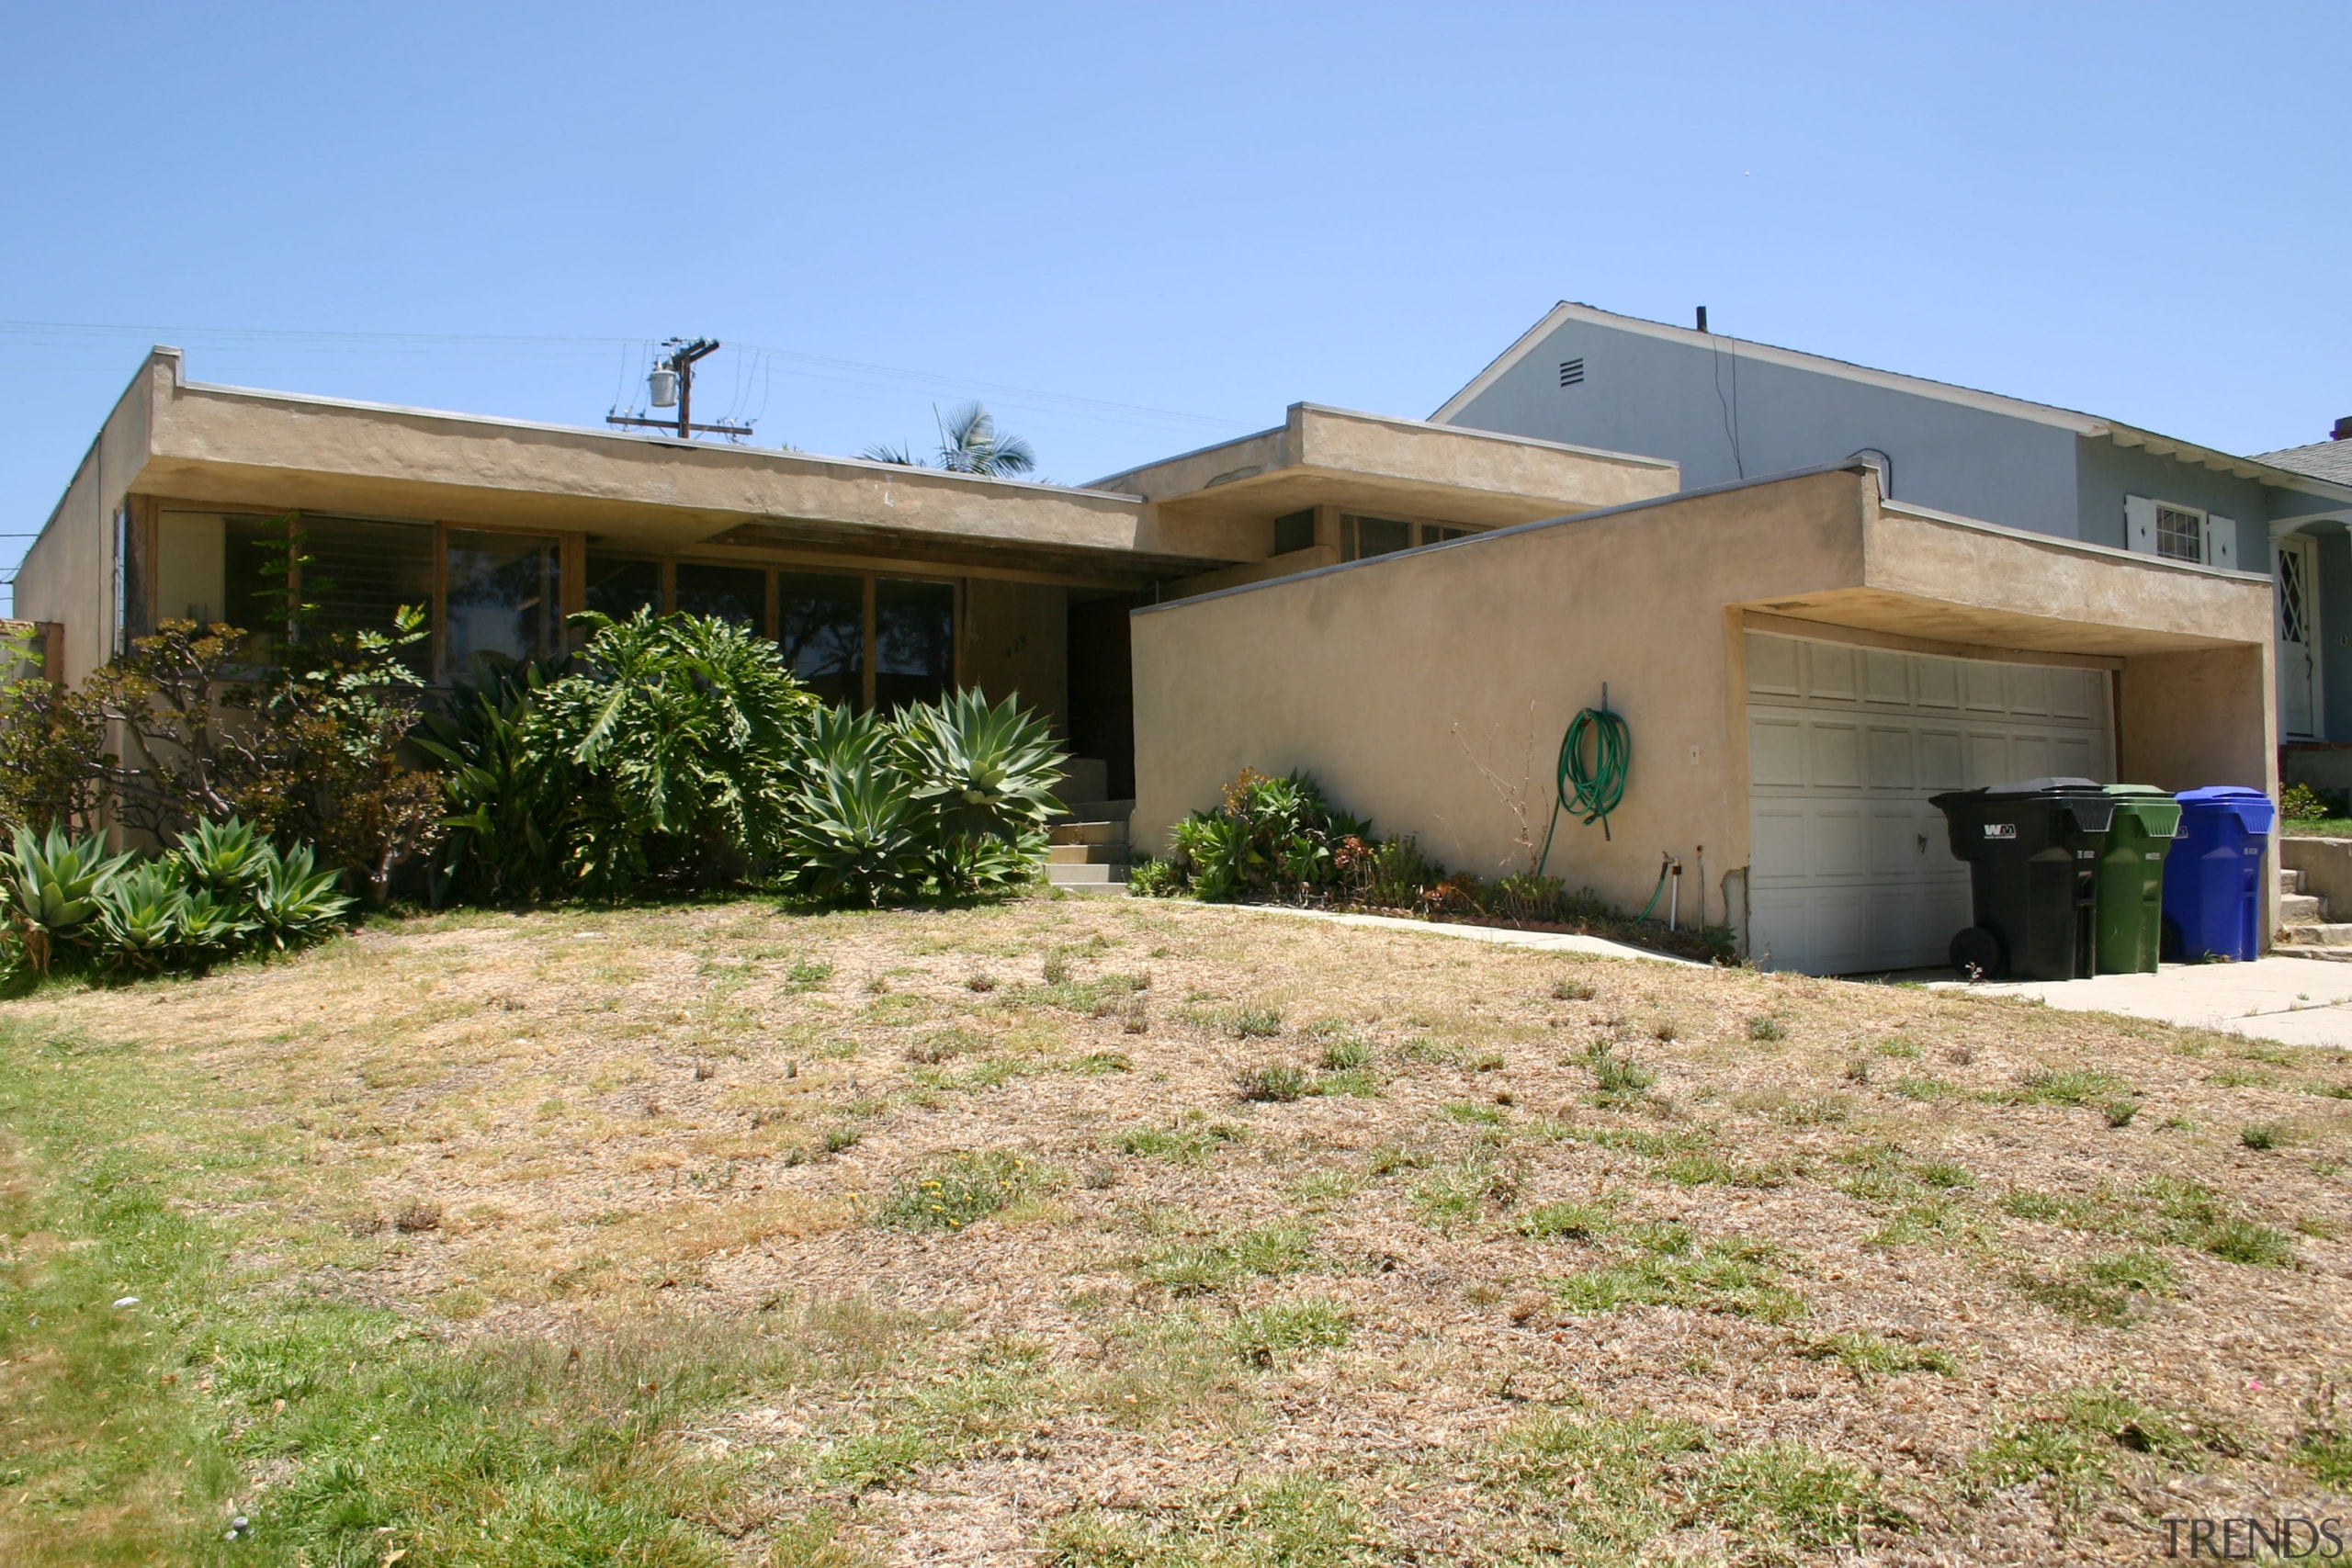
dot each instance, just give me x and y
(2330, 460)
(2087, 426)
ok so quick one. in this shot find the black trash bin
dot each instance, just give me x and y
(2032, 851)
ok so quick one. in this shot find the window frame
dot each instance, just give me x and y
(1423, 529)
(2196, 514)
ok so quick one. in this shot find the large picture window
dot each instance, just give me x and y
(620, 586)
(736, 593)
(328, 574)
(914, 642)
(820, 626)
(506, 595)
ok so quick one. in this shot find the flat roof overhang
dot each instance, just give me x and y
(229, 447)
(1934, 577)
(1370, 463)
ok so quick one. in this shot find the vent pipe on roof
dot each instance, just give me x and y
(1703, 317)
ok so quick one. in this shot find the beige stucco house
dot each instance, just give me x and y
(1411, 611)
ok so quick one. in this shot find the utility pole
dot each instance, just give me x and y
(673, 381)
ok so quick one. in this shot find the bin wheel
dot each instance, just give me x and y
(1976, 954)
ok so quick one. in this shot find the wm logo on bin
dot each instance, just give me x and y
(2000, 830)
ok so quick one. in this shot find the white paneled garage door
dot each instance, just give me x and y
(1848, 868)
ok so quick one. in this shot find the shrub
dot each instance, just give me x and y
(310, 747)
(1280, 837)
(665, 756)
(2301, 802)
(1268, 836)
(221, 892)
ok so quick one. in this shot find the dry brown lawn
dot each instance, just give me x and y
(1260, 1240)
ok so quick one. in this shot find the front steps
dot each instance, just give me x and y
(2304, 929)
(1088, 851)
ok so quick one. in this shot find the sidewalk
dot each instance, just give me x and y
(2291, 1001)
(1549, 942)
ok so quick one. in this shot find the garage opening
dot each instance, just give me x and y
(1849, 871)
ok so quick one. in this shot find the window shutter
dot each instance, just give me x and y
(2221, 542)
(2139, 524)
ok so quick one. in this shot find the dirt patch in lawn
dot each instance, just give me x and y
(1197, 1236)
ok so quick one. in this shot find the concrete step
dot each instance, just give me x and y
(1097, 874)
(2324, 933)
(1086, 854)
(2301, 909)
(2290, 880)
(2337, 953)
(1089, 832)
(1097, 811)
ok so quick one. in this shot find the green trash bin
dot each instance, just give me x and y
(2129, 897)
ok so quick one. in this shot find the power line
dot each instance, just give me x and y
(426, 342)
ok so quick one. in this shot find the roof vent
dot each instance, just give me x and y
(1572, 374)
(2343, 431)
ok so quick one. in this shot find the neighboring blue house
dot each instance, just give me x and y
(1727, 409)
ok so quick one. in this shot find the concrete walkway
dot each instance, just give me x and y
(2291, 1001)
(1549, 942)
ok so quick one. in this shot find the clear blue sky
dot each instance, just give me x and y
(1134, 229)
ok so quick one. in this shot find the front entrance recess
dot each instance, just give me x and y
(1849, 869)
(2297, 601)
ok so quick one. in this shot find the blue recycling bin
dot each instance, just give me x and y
(2213, 900)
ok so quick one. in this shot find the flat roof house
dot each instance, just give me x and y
(1409, 609)
(883, 582)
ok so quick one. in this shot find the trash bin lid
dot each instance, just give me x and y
(2138, 789)
(2044, 786)
(2251, 806)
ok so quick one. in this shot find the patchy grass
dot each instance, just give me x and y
(722, 1235)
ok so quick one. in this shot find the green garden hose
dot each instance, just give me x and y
(1598, 786)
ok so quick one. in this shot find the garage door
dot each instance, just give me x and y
(1848, 868)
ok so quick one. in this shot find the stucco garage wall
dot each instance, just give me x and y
(1382, 677)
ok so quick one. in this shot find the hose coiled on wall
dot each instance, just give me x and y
(1590, 789)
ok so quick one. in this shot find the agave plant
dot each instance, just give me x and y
(855, 831)
(141, 916)
(981, 771)
(223, 858)
(211, 929)
(293, 903)
(50, 885)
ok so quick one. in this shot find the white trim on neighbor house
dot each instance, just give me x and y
(2143, 530)
(2305, 548)
(1917, 386)
(1568, 310)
